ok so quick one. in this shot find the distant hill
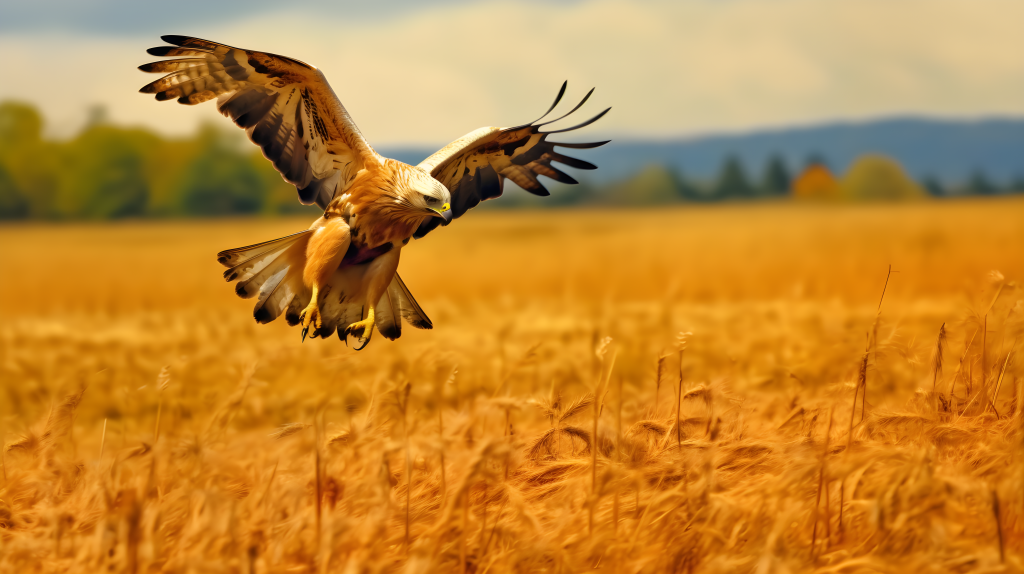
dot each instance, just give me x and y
(949, 150)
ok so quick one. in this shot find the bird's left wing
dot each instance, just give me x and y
(474, 167)
(285, 106)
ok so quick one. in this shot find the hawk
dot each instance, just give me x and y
(341, 274)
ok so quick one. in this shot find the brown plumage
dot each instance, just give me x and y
(340, 275)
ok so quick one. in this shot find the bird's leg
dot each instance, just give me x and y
(362, 329)
(324, 252)
(310, 316)
(378, 276)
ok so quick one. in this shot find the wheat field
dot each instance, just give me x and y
(693, 389)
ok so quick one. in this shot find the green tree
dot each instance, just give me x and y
(980, 184)
(732, 181)
(104, 175)
(814, 159)
(567, 195)
(653, 185)
(776, 179)
(874, 177)
(12, 203)
(279, 196)
(221, 179)
(690, 190)
(32, 164)
(933, 186)
(20, 124)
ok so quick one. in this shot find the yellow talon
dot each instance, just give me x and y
(361, 329)
(310, 316)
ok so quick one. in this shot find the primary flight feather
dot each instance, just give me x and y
(341, 274)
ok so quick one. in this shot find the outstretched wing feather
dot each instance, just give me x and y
(475, 166)
(286, 107)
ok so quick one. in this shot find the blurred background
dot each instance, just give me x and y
(738, 100)
(776, 166)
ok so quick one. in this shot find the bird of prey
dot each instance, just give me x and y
(340, 275)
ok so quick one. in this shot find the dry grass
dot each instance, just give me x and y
(151, 426)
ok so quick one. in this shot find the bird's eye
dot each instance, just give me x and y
(432, 200)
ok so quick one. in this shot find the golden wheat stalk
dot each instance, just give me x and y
(937, 364)
(822, 486)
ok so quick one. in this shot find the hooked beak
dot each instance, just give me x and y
(445, 213)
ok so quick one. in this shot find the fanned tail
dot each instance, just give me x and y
(271, 270)
(343, 304)
(397, 304)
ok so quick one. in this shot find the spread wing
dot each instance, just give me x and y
(285, 106)
(474, 167)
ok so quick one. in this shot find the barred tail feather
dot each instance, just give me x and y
(341, 301)
(397, 304)
(232, 257)
(272, 271)
(388, 318)
(410, 309)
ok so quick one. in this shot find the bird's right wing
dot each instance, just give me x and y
(285, 106)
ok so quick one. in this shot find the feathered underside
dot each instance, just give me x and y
(272, 272)
(475, 166)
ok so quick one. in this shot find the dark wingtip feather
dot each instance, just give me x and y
(581, 125)
(539, 190)
(567, 114)
(558, 98)
(560, 176)
(176, 39)
(160, 51)
(586, 145)
(151, 88)
(572, 161)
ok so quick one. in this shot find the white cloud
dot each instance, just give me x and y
(668, 68)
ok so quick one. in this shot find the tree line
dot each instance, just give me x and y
(108, 172)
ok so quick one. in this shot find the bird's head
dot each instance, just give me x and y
(428, 196)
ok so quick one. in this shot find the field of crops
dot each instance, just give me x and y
(610, 390)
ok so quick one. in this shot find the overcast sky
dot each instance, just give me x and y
(415, 72)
